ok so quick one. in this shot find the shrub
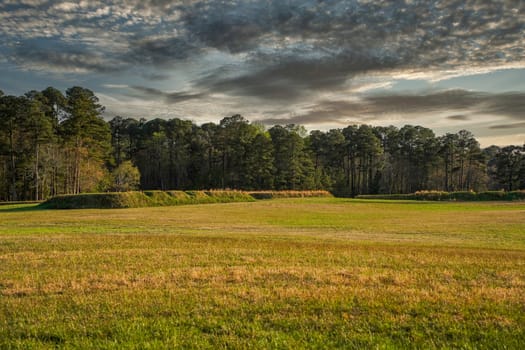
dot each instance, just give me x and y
(225, 196)
(432, 195)
(199, 197)
(126, 177)
(96, 200)
(143, 199)
(136, 199)
(452, 196)
(289, 194)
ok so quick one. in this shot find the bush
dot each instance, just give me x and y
(126, 177)
(432, 195)
(143, 199)
(465, 196)
(135, 199)
(289, 194)
(97, 200)
(407, 196)
(224, 196)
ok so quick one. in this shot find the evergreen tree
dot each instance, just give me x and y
(260, 164)
(509, 167)
(52, 144)
(39, 128)
(292, 162)
(11, 110)
(87, 138)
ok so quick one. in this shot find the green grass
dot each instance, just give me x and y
(135, 199)
(286, 273)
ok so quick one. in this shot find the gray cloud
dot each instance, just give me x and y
(168, 97)
(510, 105)
(356, 36)
(297, 47)
(160, 52)
(334, 112)
(155, 76)
(508, 126)
(443, 100)
(459, 117)
(293, 76)
(370, 108)
(59, 57)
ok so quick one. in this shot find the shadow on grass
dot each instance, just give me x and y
(15, 208)
(396, 201)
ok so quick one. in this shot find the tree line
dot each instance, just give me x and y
(53, 143)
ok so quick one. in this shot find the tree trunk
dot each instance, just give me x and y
(446, 174)
(223, 180)
(352, 177)
(210, 165)
(37, 175)
(12, 191)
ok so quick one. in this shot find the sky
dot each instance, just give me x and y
(446, 65)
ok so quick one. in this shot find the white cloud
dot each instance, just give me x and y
(66, 6)
(386, 85)
(115, 86)
(437, 75)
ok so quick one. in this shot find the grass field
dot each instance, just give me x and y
(287, 273)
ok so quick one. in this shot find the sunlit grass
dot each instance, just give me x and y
(290, 273)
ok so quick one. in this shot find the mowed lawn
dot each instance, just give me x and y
(285, 274)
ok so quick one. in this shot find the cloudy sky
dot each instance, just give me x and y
(448, 65)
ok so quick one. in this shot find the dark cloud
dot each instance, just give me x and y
(508, 126)
(445, 100)
(291, 77)
(355, 36)
(168, 97)
(421, 34)
(156, 76)
(510, 105)
(320, 45)
(335, 112)
(371, 108)
(241, 25)
(459, 117)
(52, 55)
(160, 52)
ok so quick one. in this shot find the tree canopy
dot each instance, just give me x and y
(53, 143)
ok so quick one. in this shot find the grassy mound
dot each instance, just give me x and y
(143, 199)
(452, 196)
(167, 198)
(289, 194)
